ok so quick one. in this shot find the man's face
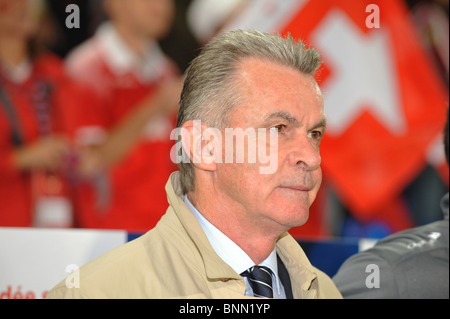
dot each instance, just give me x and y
(150, 18)
(289, 103)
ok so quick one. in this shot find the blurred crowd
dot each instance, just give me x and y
(85, 113)
(84, 125)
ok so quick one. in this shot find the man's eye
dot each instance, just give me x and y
(316, 135)
(278, 128)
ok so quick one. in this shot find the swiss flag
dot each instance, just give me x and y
(385, 102)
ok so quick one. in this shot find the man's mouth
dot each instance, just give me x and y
(300, 188)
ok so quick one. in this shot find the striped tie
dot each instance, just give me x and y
(260, 279)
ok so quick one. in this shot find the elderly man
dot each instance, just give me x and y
(224, 234)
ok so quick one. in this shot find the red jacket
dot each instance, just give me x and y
(15, 185)
(131, 195)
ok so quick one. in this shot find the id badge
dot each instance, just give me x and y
(52, 206)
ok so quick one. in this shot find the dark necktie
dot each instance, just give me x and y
(260, 279)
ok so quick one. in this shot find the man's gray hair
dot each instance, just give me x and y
(209, 92)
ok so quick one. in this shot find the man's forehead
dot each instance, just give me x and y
(263, 73)
(265, 86)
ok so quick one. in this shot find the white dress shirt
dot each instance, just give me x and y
(234, 256)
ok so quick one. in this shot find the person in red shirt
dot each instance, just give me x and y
(33, 149)
(123, 129)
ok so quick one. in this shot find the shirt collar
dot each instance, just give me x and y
(229, 251)
(20, 73)
(121, 59)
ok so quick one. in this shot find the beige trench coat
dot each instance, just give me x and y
(176, 260)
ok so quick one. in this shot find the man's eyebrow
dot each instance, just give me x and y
(320, 124)
(281, 115)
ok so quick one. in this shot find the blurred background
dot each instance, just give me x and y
(384, 80)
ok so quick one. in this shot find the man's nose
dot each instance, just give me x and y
(305, 152)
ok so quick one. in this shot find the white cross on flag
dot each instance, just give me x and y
(384, 100)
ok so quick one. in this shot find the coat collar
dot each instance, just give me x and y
(215, 268)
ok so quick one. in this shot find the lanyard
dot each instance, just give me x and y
(40, 95)
(11, 114)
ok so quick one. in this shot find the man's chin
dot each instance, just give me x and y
(295, 219)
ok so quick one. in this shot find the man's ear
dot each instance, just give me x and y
(200, 145)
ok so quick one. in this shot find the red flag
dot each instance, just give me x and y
(384, 100)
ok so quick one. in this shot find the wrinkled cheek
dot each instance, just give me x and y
(318, 183)
(291, 209)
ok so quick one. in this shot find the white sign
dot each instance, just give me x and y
(33, 261)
